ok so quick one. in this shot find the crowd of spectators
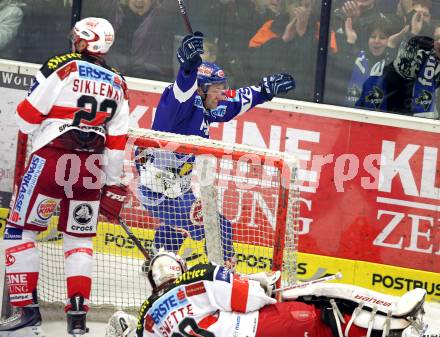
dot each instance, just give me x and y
(253, 38)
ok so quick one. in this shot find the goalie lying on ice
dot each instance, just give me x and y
(208, 300)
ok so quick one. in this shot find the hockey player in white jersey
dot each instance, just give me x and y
(77, 114)
(210, 301)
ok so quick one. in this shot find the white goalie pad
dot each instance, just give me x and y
(398, 306)
(375, 311)
(364, 317)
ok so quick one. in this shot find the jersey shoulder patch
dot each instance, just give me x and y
(57, 61)
(197, 273)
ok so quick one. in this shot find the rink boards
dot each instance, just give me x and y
(113, 245)
(369, 183)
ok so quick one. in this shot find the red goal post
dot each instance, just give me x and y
(250, 189)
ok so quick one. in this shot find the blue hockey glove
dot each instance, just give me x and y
(277, 84)
(189, 52)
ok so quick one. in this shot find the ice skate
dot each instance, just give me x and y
(25, 322)
(76, 317)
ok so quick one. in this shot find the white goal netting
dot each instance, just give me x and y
(200, 198)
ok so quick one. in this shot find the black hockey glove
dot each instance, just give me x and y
(189, 52)
(277, 84)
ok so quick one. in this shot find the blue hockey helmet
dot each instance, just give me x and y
(209, 73)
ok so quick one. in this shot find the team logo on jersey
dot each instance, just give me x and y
(27, 186)
(219, 111)
(195, 289)
(245, 95)
(173, 299)
(9, 260)
(223, 274)
(149, 323)
(12, 233)
(92, 72)
(33, 86)
(375, 97)
(56, 61)
(425, 100)
(42, 210)
(83, 213)
(117, 81)
(83, 216)
(191, 275)
(67, 70)
(46, 208)
(198, 103)
(237, 325)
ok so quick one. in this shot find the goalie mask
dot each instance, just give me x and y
(164, 267)
(209, 73)
(97, 33)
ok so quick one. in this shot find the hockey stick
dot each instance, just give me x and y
(135, 239)
(336, 276)
(182, 9)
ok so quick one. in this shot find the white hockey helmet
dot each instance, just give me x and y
(165, 266)
(98, 33)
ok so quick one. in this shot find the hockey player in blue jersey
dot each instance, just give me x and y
(196, 99)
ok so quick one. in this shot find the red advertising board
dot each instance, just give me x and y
(368, 192)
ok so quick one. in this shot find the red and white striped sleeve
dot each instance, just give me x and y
(231, 292)
(32, 110)
(115, 141)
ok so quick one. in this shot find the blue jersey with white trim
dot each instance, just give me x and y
(181, 109)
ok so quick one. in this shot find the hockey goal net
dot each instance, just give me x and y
(202, 198)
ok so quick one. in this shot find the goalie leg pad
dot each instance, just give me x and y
(399, 306)
(368, 309)
(288, 319)
(372, 325)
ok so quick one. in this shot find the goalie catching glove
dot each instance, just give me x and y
(267, 280)
(112, 199)
(277, 84)
(189, 52)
